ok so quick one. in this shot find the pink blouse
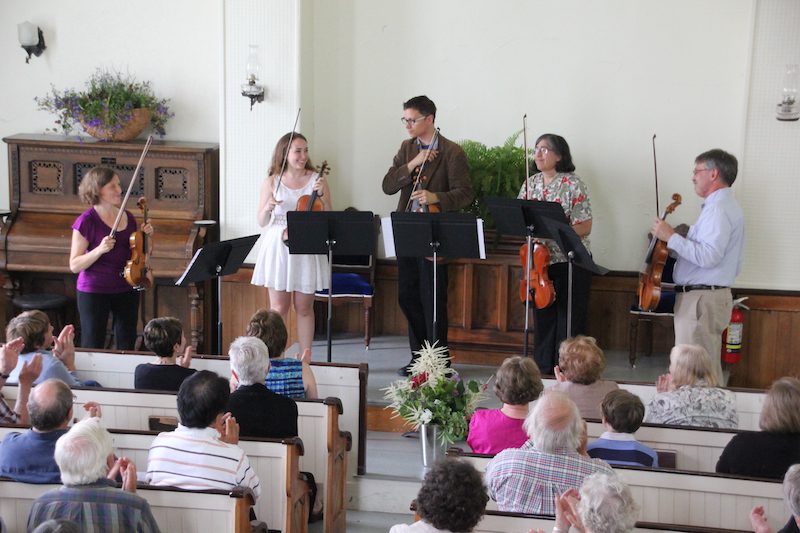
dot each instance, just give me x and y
(491, 431)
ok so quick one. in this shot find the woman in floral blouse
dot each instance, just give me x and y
(556, 181)
(690, 395)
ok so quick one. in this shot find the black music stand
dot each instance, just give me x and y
(576, 253)
(214, 261)
(526, 217)
(453, 235)
(323, 232)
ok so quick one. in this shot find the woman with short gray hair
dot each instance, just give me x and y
(791, 495)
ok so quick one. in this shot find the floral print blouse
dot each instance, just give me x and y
(568, 190)
(694, 405)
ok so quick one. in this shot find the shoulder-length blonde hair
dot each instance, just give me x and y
(781, 410)
(690, 363)
(92, 182)
(581, 360)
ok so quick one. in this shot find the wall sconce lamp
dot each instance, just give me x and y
(31, 39)
(789, 107)
(252, 89)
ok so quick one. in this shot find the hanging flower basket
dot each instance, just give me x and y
(124, 132)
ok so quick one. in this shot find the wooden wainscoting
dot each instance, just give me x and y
(486, 318)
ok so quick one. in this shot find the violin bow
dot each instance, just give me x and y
(418, 184)
(655, 172)
(525, 147)
(286, 153)
(130, 187)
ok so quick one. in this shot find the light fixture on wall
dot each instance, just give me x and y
(789, 107)
(252, 89)
(31, 39)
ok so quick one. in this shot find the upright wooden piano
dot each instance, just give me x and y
(180, 181)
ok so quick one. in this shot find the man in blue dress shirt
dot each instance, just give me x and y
(709, 257)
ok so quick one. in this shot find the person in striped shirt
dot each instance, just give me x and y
(623, 412)
(202, 453)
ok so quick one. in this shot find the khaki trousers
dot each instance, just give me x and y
(700, 318)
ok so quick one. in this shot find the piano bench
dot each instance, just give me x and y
(55, 305)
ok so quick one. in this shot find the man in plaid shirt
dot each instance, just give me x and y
(528, 479)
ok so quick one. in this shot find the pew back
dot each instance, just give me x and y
(687, 498)
(348, 382)
(174, 510)
(283, 502)
(696, 449)
(748, 401)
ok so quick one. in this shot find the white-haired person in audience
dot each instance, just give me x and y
(690, 395)
(580, 365)
(527, 479)
(57, 354)
(769, 452)
(29, 456)
(452, 499)
(164, 337)
(259, 411)
(604, 504)
(88, 497)
(9, 357)
(623, 413)
(517, 383)
(202, 453)
(791, 495)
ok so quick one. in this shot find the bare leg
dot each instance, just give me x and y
(304, 307)
(280, 301)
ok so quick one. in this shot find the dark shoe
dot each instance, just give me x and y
(405, 370)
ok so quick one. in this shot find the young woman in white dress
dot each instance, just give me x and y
(290, 277)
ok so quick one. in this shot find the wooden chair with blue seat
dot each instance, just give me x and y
(643, 321)
(354, 282)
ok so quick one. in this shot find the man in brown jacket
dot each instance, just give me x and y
(445, 184)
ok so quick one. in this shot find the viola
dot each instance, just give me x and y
(419, 180)
(544, 293)
(656, 258)
(136, 269)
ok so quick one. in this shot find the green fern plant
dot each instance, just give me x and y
(495, 171)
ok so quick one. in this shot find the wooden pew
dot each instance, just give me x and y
(175, 510)
(325, 445)
(687, 498)
(348, 382)
(284, 502)
(696, 449)
(748, 401)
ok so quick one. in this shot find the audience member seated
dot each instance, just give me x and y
(37, 333)
(603, 505)
(9, 357)
(164, 337)
(452, 498)
(517, 383)
(288, 376)
(29, 456)
(259, 411)
(690, 395)
(791, 495)
(623, 413)
(526, 480)
(202, 453)
(580, 365)
(769, 452)
(88, 497)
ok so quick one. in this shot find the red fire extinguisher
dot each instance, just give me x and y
(732, 336)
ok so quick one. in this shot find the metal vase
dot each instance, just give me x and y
(432, 447)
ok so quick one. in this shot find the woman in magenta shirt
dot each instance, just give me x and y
(517, 383)
(100, 259)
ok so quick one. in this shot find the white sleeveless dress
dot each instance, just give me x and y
(275, 267)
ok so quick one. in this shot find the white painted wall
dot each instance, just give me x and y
(174, 44)
(606, 75)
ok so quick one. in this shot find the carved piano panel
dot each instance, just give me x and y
(180, 182)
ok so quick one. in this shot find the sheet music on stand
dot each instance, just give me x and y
(389, 245)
